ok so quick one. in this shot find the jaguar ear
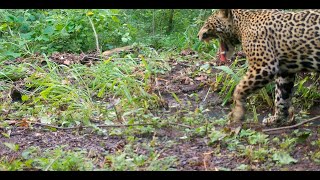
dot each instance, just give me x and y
(225, 13)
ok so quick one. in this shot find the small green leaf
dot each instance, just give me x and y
(59, 27)
(115, 19)
(13, 147)
(6, 135)
(176, 97)
(24, 97)
(89, 13)
(205, 67)
(3, 26)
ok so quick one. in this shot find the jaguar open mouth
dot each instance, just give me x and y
(223, 49)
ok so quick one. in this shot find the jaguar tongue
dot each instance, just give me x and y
(222, 52)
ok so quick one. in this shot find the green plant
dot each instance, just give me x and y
(129, 160)
(283, 157)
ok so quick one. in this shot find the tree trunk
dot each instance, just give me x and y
(170, 23)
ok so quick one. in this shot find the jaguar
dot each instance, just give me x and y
(278, 44)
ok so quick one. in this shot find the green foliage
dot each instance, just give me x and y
(307, 88)
(28, 31)
(50, 160)
(129, 161)
(24, 32)
(229, 77)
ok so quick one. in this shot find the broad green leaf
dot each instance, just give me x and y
(32, 17)
(59, 27)
(48, 30)
(24, 28)
(26, 36)
(283, 158)
(216, 136)
(227, 70)
(12, 54)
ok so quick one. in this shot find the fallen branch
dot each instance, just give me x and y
(106, 126)
(100, 59)
(116, 50)
(293, 126)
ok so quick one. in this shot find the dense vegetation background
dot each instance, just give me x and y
(26, 32)
(159, 105)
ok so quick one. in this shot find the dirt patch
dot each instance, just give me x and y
(181, 88)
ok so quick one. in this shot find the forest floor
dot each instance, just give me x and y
(168, 147)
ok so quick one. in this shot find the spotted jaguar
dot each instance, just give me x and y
(277, 44)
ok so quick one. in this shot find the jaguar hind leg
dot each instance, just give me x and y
(283, 93)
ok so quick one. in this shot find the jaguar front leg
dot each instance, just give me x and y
(254, 79)
(283, 93)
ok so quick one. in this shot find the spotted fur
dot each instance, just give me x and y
(277, 45)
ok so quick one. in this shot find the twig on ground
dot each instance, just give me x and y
(206, 94)
(205, 158)
(293, 126)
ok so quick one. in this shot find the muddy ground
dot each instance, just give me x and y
(192, 154)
